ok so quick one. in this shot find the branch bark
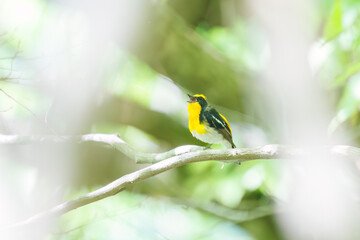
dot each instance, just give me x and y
(162, 162)
(270, 151)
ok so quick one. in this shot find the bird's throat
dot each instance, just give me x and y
(194, 110)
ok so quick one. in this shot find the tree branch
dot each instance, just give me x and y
(234, 215)
(162, 162)
(157, 168)
(112, 140)
(270, 151)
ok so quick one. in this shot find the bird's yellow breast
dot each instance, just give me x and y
(194, 110)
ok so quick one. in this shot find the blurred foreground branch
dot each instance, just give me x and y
(234, 215)
(162, 162)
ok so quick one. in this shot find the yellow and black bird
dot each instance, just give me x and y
(206, 124)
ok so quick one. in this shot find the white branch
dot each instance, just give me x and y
(162, 162)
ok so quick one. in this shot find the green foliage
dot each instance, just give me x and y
(229, 183)
(349, 71)
(222, 61)
(348, 104)
(134, 80)
(243, 43)
(334, 24)
(131, 216)
(341, 67)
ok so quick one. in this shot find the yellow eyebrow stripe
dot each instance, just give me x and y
(200, 95)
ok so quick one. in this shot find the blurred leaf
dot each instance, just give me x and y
(334, 24)
(342, 115)
(348, 104)
(254, 177)
(349, 71)
(239, 44)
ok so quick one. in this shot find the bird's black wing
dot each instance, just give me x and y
(215, 120)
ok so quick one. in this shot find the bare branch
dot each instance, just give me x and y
(155, 169)
(162, 162)
(270, 151)
(112, 140)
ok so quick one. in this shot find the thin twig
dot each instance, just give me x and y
(230, 214)
(30, 111)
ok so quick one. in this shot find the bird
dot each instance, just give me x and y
(206, 124)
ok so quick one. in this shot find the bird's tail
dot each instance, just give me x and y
(229, 144)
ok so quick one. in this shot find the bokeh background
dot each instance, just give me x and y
(280, 71)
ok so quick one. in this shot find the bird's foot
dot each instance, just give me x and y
(208, 147)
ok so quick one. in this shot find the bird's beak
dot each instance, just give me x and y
(192, 99)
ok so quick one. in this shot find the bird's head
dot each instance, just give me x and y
(199, 98)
